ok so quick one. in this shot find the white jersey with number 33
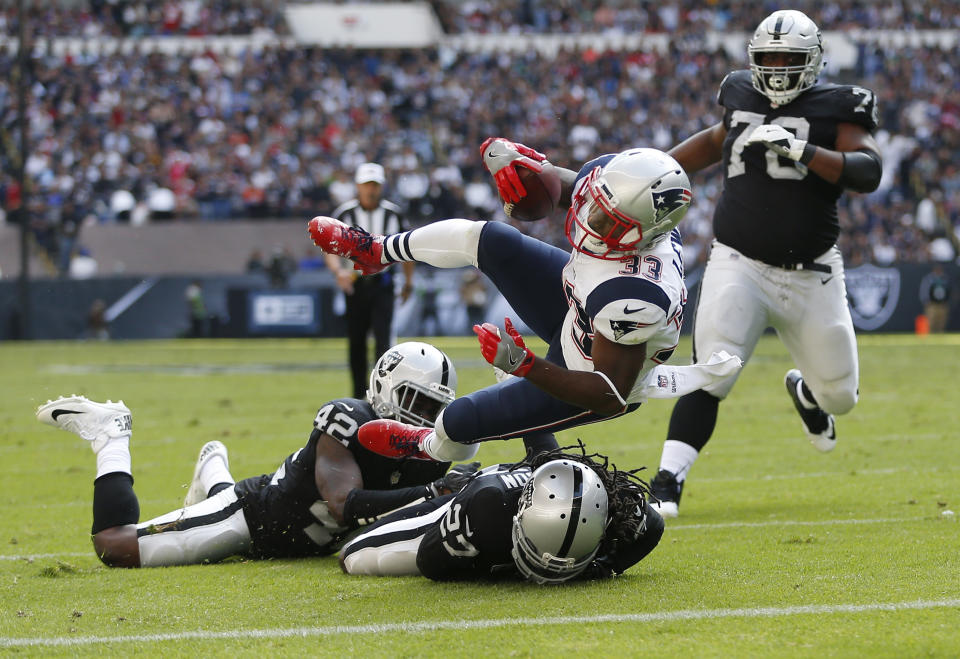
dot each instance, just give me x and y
(634, 301)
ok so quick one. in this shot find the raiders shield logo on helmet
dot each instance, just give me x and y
(389, 362)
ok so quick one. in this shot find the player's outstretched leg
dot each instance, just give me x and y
(443, 244)
(108, 427)
(818, 425)
(401, 440)
(335, 237)
(213, 468)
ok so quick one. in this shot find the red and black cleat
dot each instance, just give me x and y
(335, 237)
(393, 439)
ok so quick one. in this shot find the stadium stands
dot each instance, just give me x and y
(261, 131)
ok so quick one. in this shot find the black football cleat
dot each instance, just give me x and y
(666, 493)
(816, 423)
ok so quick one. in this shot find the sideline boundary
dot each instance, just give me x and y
(460, 625)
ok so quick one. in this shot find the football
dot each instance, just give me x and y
(543, 193)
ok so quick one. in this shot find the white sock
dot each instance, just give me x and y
(677, 458)
(444, 244)
(443, 449)
(214, 471)
(114, 456)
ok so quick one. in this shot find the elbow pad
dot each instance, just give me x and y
(861, 170)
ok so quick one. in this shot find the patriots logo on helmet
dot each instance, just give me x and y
(669, 200)
(623, 327)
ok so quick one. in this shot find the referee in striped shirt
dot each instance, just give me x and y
(370, 299)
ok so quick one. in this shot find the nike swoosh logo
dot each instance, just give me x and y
(347, 407)
(57, 413)
(493, 155)
(824, 281)
(627, 309)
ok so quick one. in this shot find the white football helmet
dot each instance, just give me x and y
(786, 31)
(559, 522)
(624, 205)
(412, 382)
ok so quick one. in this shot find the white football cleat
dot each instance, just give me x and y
(197, 491)
(97, 423)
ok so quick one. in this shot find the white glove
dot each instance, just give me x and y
(779, 140)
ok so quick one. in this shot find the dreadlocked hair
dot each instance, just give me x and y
(626, 491)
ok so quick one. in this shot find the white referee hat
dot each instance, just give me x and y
(370, 172)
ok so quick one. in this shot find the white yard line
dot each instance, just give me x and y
(792, 522)
(460, 625)
(670, 527)
(33, 557)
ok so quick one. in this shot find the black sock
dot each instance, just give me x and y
(219, 487)
(693, 419)
(808, 394)
(114, 502)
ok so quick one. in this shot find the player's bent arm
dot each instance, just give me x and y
(856, 162)
(702, 149)
(340, 484)
(624, 554)
(603, 390)
(336, 473)
(567, 179)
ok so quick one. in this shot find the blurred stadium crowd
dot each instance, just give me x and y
(144, 136)
(138, 18)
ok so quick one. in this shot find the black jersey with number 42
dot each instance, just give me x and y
(287, 516)
(772, 208)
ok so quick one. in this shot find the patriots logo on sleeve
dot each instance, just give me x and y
(669, 200)
(623, 327)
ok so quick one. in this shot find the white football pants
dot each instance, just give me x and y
(740, 297)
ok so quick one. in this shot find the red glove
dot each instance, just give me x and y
(501, 157)
(511, 355)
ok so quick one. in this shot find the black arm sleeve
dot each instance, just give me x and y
(365, 506)
(861, 170)
(624, 554)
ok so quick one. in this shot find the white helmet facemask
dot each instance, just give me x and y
(412, 382)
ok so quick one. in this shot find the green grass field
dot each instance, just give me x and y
(779, 550)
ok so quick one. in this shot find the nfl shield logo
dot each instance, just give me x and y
(872, 294)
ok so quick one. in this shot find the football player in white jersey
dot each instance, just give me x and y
(610, 311)
(789, 147)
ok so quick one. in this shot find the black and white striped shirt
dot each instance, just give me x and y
(384, 220)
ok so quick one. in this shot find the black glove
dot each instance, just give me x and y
(454, 480)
